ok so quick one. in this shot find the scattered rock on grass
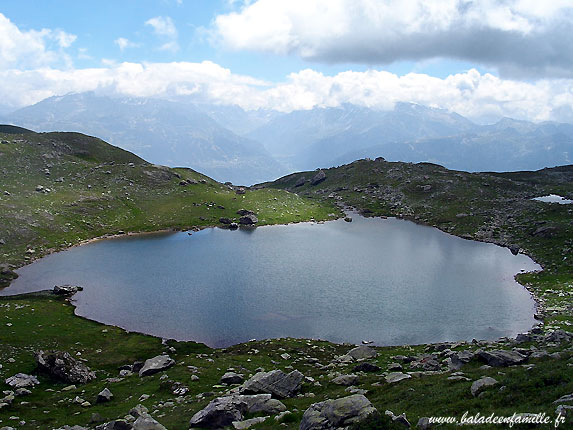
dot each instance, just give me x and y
(21, 380)
(481, 384)
(332, 414)
(275, 382)
(156, 364)
(62, 366)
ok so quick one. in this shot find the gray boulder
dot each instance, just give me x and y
(262, 403)
(248, 219)
(502, 358)
(243, 425)
(459, 358)
(346, 380)
(245, 212)
(115, 425)
(156, 364)
(318, 178)
(220, 412)
(362, 352)
(394, 377)
(146, 422)
(104, 396)
(332, 414)
(231, 378)
(400, 419)
(367, 367)
(138, 411)
(276, 382)
(426, 363)
(481, 384)
(62, 366)
(21, 380)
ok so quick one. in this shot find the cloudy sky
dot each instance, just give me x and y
(483, 59)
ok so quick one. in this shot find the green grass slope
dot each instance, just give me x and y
(57, 189)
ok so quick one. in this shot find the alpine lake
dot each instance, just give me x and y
(386, 281)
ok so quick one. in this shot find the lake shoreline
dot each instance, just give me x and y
(348, 210)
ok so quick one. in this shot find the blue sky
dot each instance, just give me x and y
(483, 59)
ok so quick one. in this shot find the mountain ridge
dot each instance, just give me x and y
(233, 144)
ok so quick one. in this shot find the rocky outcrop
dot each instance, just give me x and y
(559, 336)
(318, 178)
(66, 290)
(276, 382)
(156, 364)
(62, 366)
(248, 219)
(300, 182)
(502, 358)
(339, 413)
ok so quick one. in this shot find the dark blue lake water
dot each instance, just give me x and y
(386, 280)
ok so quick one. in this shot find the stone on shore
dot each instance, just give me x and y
(502, 358)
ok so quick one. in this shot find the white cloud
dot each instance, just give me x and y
(163, 26)
(124, 43)
(172, 46)
(32, 48)
(477, 96)
(527, 37)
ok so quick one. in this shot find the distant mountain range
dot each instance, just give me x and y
(245, 147)
(162, 132)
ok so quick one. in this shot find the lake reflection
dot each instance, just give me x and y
(389, 281)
